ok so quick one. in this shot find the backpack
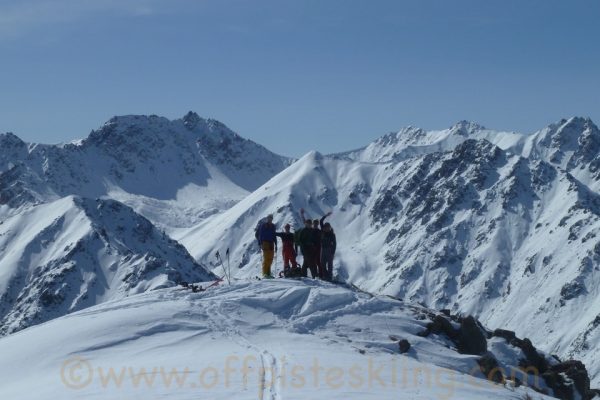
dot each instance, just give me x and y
(293, 272)
(257, 228)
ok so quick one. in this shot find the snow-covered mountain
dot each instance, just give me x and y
(72, 253)
(496, 224)
(175, 173)
(275, 339)
(62, 251)
(500, 225)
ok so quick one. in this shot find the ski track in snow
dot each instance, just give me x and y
(219, 322)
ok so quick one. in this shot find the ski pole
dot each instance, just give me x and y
(228, 265)
(223, 266)
(276, 259)
(262, 257)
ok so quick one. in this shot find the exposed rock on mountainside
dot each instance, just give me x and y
(73, 253)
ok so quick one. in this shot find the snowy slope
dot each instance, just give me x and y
(73, 253)
(506, 233)
(278, 340)
(175, 173)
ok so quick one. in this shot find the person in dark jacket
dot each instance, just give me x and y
(267, 240)
(287, 248)
(306, 239)
(317, 238)
(328, 246)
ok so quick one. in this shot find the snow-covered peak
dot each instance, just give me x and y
(466, 128)
(564, 135)
(154, 135)
(12, 150)
(195, 167)
(10, 140)
(576, 124)
(405, 136)
(136, 119)
(573, 144)
(191, 120)
(413, 142)
(131, 132)
(311, 156)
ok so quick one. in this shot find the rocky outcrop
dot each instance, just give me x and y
(469, 337)
(566, 380)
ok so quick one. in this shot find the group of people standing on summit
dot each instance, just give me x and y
(316, 241)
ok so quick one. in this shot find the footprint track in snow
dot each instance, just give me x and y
(270, 371)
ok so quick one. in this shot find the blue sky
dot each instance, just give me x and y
(329, 75)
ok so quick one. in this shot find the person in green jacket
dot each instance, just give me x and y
(307, 241)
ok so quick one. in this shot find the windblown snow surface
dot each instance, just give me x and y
(278, 339)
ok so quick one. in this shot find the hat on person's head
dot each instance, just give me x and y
(270, 216)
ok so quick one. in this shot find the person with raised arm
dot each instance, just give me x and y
(307, 239)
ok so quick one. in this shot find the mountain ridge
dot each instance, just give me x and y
(147, 162)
